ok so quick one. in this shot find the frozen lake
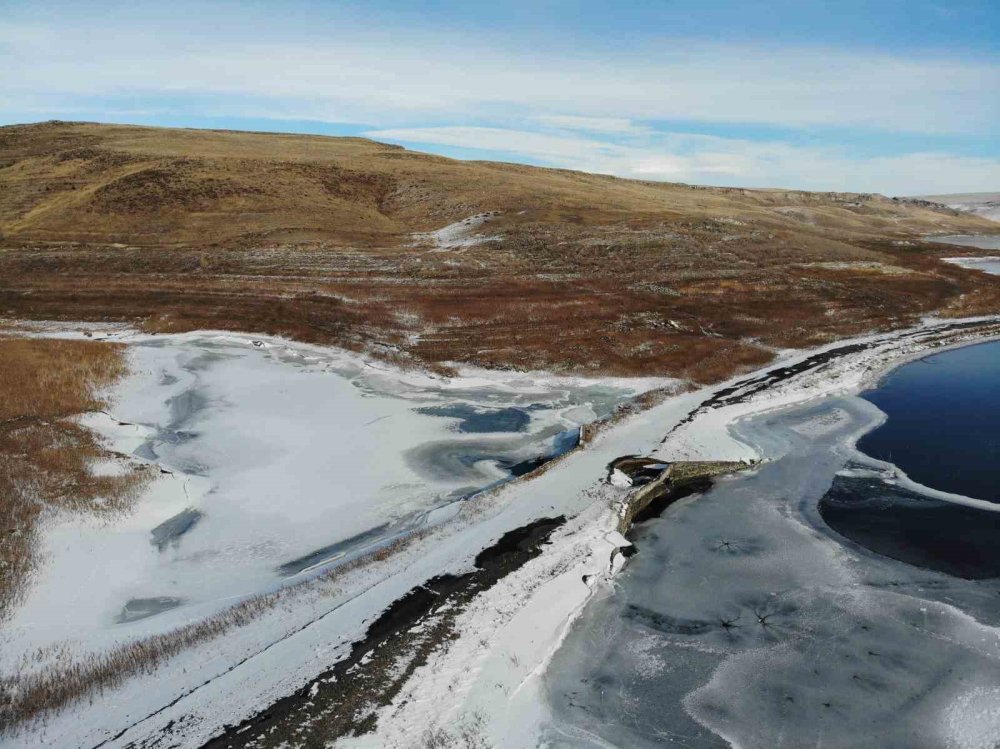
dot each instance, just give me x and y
(982, 241)
(986, 264)
(814, 602)
(279, 461)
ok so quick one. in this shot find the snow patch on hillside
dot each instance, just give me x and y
(461, 233)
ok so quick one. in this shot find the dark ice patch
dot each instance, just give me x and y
(667, 624)
(143, 608)
(172, 529)
(333, 551)
(481, 420)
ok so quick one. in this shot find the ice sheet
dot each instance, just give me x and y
(744, 620)
(282, 459)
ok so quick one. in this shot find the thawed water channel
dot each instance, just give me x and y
(278, 461)
(823, 600)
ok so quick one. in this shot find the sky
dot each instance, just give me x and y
(901, 98)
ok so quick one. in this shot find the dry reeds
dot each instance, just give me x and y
(45, 458)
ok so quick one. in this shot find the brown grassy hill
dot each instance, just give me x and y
(315, 237)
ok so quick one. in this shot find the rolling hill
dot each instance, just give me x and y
(427, 260)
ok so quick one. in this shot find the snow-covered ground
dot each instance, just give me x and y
(491, 673)
(278, 461)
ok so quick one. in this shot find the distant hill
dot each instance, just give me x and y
(139, 185)
(985, 204)
(424, 259)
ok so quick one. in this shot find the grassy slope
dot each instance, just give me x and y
(85, 182)
(312, 237)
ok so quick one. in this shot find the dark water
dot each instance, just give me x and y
(913, 528)
(943, 428)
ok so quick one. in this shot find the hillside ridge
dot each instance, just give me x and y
(427, 260)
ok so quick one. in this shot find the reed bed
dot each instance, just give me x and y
(46, 458)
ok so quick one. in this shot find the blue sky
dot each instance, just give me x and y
(894, 97)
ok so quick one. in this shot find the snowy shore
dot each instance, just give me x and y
(490, 675)
(277, 462)
(282, 467)
(491, 678)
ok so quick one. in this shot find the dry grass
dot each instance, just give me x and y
(51, 379)
(157, 186)
(45, 458)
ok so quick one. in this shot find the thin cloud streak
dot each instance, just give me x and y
(728, 161)
(584, 108)
(370, 81)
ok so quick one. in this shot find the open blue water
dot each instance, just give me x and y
(943, 428)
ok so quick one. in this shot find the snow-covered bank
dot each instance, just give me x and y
(459, 234)
(490, 678)
(990, 264)
(279, 461)
(521, 620)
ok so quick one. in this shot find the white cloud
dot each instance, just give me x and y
(541, 145)
(611, 125)
(704, 159)
(351, 76)
(573, 108)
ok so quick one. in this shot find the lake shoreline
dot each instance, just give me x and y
(601, 704)
(859, 375)
(527, 614)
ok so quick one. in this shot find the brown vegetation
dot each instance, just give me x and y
(45, 458)
(313, 237)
